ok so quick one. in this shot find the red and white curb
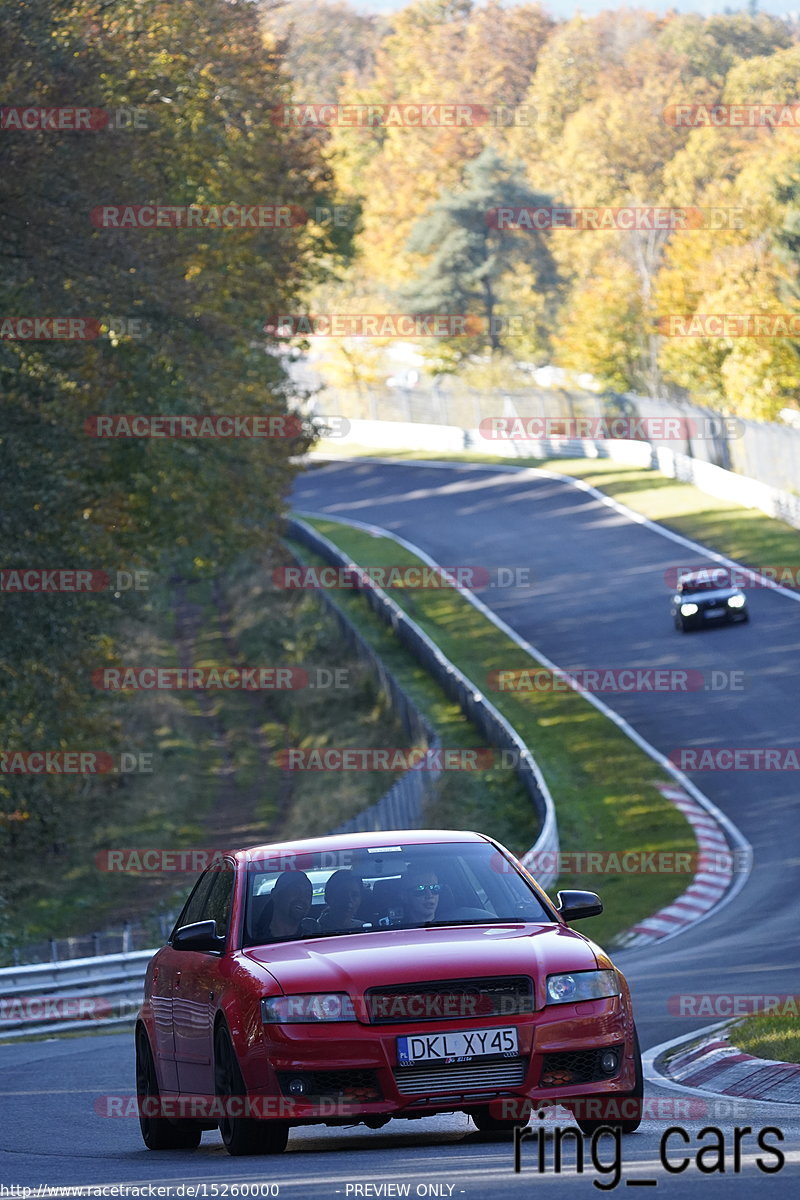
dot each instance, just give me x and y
(719, 862)
(703, 1064)
(717, 1066)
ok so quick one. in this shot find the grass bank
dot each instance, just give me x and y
(768, 1036)
(211, 779)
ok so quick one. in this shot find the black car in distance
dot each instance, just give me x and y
(706, 597)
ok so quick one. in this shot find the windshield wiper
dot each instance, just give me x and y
(487, 920)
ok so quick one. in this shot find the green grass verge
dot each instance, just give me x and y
(745, 534)
(602, 783)
(768, 1036)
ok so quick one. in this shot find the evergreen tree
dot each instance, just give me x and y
(471, 253)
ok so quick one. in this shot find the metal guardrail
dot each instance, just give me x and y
(39, 998)
(24, 979)
(123, 939)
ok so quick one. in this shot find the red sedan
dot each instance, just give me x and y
(371, 976)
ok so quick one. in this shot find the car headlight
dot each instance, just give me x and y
(688, 610)
(737, 601)
(307, 1010)
(581, 985)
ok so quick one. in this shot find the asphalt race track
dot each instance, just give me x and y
(596, 598)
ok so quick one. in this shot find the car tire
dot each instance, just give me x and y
(634, 1101)
(158, 1133)
(242, 1135)
(484, 1119)
(679, 625)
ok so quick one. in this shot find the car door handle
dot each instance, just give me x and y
(177, 979)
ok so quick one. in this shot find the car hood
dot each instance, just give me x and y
(702, 597)
(355, 962)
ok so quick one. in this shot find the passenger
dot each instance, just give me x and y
(343, 894)
(285, 914)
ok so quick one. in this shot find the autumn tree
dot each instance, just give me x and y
(711, 46)
(471, 251)
(322, 44)
(199, 75)
(437, 52)
(596, 94)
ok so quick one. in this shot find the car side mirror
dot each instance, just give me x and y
(202, 935)
(573, 906)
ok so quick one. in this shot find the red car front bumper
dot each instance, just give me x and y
(346, 1072)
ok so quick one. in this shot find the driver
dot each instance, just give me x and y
(286, 911)
(343, 893)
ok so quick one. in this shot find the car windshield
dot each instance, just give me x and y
(335, 892)
(705, 582)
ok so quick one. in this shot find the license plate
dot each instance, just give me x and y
(453, 1046)
(715, 612)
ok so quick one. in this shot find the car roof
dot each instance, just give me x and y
(358, 841)
(705, 575)
(706, 581)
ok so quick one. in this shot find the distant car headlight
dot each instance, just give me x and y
(688, 610)
(581, 985)
(307, 1010)
(737, 601)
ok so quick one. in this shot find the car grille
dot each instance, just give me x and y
(451, 999)
(459, 1077)
(354, 1084)
(575, 1066)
